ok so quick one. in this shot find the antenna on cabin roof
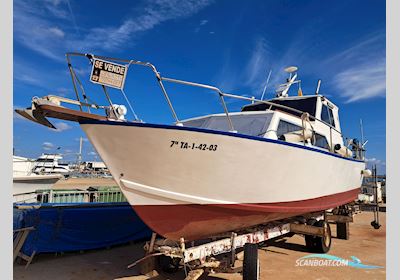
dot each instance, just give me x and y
(266, 84)
(283, 89)
(291, 69)
(363, 143)
(318, 86)
(362, 132)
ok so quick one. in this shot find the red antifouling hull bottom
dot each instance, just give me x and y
(194, 221)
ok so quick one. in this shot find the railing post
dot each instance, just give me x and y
(167, 98)
(73, 81)
(221, 96)
(50, 196)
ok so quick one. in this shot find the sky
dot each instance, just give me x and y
(229, 44)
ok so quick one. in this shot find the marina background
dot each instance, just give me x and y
(390, 158)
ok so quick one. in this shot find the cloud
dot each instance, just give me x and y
(356, 71)
(62, 91)
(55, 7)
(364, 49)
(81, 71)
(254, 73)
(56, 31)
(27, 79)
(61, 126)
(203, 22)
(255, 69)
(374, 161)
(47, 146)
(257, 65)
(380, 164)
(361, 69)
(36, 74)
(362, 81)
(73, 17)
(25, 73)
(370, 159)
(34, 26)
(153, 14)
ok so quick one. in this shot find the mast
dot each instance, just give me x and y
(318, 86)
(266, 84)
(362, 131)
(362, 140)
(79, 157)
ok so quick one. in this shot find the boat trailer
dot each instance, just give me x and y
(219, 253)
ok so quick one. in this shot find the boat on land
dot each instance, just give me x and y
(222, 172)
(25, 180)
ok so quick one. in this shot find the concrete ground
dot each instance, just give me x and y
(277, 259)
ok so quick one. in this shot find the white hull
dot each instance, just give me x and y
(241, 170)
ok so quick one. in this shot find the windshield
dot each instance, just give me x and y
(303, 104)
(254, 124)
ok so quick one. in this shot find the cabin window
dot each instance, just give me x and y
(320, 141)
(45, 160)
(327, 115)
(286, 127)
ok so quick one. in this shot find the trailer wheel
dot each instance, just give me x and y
(251, 263)
(168, 264)
(319, 244)
(310, 239)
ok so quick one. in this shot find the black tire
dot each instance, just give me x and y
(319, 244)
(310, 239)
(251, 265)
(323, 244)
(168, 264)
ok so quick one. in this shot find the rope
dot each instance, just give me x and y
(305, 118)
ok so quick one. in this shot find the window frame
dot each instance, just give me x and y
(331, 119)
(322, 136)
(288, 122)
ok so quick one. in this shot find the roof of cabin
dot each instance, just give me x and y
(301, 103)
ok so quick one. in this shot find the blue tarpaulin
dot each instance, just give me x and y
(78, 226)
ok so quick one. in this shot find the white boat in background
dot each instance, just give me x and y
(222, 172)
(26, 181)
(50, 164)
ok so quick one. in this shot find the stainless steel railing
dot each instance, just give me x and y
(220, 93)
